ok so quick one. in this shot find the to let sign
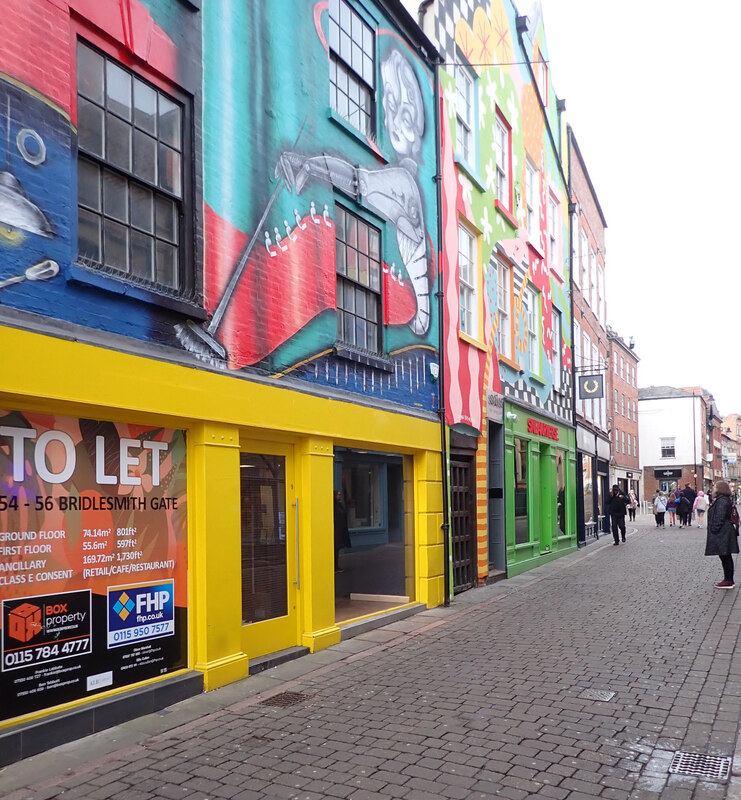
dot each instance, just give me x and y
(542, 429)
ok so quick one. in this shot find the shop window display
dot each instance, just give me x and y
(522, 534)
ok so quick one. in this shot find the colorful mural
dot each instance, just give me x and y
(486, 45)
(278, 163)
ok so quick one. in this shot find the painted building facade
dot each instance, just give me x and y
(622, 413)
(218, 254)
(507, 299)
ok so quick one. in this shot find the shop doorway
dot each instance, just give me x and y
(463, 519)
(497, 526)
(269, 568)
(374, 556)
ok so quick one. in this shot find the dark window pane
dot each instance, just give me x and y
(338, 302)
(89, 127)
(341, 266)
(372, 309)
(116, 245)
(167, 223)
(118, 142)
(145, 107)
(118, 90)
(359, 302)
(374, 242)
(89, 73)
(88, 184)
(363, 273)
(339, 221)
(166, 266)
(349, 298)
(363, 238)
(169, 117)
(360, 332)
(145, 157)
(168, 168)
(115, 196)
(88, 236)
(372, 341)
(352, 231)
(352, 264)
(142, 255)
(142, 208)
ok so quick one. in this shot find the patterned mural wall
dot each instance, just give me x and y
(510, 173)
(320, 214)
(42, 269)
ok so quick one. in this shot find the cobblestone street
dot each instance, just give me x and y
(483, 699)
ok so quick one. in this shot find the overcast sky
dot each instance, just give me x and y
(650, 92)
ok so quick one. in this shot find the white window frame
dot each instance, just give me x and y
(584, 266)
(504, 306)
(615, 361)
(602, 300)
(575, 248)
(668, 443)
(593, 280)
(622, 437)
(556, 326)
(467, 290)
(532, 200)
(552, 230)
(532, 316)
(465, 114)
(502, 156)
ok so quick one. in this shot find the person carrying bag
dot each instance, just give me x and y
(722, 535)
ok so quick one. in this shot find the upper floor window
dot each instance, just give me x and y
(617, 407)
(602, 313)
(552, 227)
(575, 247)
(467, 281)
(667, 448)
(129, 174)
(504, 293)
(584, 264)
(531, 199)
(464, 109)
(615, 361)
(502, 150)
(622, 439)
(352, 67)
(593, 280)
(542, 78)
(358, 253)
(532, 312)
(557, 351)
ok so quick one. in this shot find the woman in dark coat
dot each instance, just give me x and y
(722, 537)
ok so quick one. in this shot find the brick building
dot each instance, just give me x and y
(591, 344)
(622, 413)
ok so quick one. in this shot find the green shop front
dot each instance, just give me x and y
(540, 468)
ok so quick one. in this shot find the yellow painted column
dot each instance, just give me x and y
(314, 474)
(429, 512)
(215, 554)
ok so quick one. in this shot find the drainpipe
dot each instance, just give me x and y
(440, 295)
(441, 307)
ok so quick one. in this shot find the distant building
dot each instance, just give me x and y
(677, 431)
(732, 430)
(622, 413)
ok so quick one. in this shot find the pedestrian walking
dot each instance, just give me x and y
(653, 507)
(633, 505)
(683, 510)
(660, 509)
(690, 494)
(722, 535)
(616, 505)
(671, 507)
(701, 506)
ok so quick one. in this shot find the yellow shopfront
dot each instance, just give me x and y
(251, 542)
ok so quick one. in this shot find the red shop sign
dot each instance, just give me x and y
(535, 426)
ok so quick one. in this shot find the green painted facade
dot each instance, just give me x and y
(540, 537)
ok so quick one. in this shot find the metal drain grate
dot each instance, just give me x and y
(285, 699)
(701, 766)
(597, 694)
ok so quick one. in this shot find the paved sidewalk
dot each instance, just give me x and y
(483, 699)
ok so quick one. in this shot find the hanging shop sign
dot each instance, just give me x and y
(93, 558)
(591, 387)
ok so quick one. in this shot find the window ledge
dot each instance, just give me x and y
(506, 213)
(362, 357)
(361, 139)
(111, 283)
(471, 173)
(536, 248)
(537, 379)
(470, 340)
(511, 364)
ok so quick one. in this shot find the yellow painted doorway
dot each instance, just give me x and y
(269, 548)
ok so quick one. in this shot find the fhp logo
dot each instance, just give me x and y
(140, 612)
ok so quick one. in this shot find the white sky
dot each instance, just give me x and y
(649, 90)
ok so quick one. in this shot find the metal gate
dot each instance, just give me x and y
(463, 515)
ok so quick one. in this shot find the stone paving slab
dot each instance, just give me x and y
(487, 698)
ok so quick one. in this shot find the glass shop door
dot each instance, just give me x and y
(270, 578)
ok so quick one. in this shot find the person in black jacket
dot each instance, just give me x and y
(616, 505)
(722, 536)
(683, 510)
(690, 494)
